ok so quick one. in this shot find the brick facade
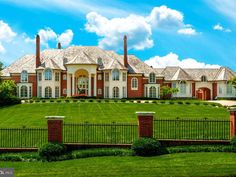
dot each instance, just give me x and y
(100, 85)
(55, 129)
(135, 93)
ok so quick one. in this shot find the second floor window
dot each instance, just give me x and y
(48, 74)
(134, 83)
(24, 76)
(152, 78)
(115, 75)
(106, 76)
(57, 76)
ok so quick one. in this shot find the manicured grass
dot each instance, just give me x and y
(184, 164)
(33, 115)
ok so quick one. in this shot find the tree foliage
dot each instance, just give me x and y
(167, 91)
(233, 82)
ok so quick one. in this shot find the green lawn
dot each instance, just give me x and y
(32, 115)
(184, 164)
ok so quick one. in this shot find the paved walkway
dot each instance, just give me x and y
(225, 102)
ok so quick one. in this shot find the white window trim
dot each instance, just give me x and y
(134, 88)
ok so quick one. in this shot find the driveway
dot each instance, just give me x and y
(224, 102)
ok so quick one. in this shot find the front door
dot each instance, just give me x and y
(82, 85)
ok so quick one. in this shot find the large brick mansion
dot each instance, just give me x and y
(91, 71)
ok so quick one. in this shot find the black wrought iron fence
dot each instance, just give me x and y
(100, 133)
(23, 137)
(191, 129)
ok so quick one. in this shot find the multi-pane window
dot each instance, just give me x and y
(182, 86)
(23, 91)
(30, 91)
(124, 92)
(115, 92)
(24, 76)
(204, 79)
(152, 92)
(57, 92)
(64, 91)
(106, 92)
(57, 76)
(152, 78)
(48, 74)
(39, 76)
(99, 91)
(99, 77)
(124, 76)
(40, 91)
(115, 75)
(64, 77)
(220, 89)
(106, 76)
(134, 83)
(48, 92)
(229, 89)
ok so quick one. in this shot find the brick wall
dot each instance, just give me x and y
(63, 85)
(33, 80)
(214, 90)
(135, 93)
(100, 85)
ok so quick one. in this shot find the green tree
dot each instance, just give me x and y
(233, 82)
(7, 89)
(167, 91)
(1, 68)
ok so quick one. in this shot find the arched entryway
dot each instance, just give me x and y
(204, 93)
(82, 82)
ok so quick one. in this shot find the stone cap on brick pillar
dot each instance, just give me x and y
(145, 113)
(55, 117)
(232, 109)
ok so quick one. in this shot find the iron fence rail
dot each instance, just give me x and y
(103, 133)
(189, 129)
(23, 137)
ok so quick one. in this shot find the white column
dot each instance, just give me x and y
(89, 86)
(73, 84)
(68, 85)
(95, 85)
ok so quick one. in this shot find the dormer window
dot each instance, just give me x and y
(152, 78)
(48, 74)
(99, 61)
(115, 75)
(24, 76)
(204, 79)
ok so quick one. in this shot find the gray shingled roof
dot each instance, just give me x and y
(59, 58)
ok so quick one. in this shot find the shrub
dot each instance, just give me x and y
(233, 141)
(187, 102)
(52, 151)
(147, 147)
(67, 101)
(197, 103)
(171, 102)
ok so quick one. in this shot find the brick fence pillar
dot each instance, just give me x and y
(145, 124)
(233, 122)
(55, 129)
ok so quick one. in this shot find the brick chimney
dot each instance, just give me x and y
(38, 51)
(59, 45)
(125, 52)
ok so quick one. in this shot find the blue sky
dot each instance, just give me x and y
(160, 32)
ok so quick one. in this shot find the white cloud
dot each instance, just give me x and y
(47, 35)
(66, 37)
(164, 17)
(135, 27)
(6, 33)
(225, 7)
(172, 59)
(187, 31)
(2, 49)
(219, 27)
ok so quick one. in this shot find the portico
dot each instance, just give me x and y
(81, 80)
